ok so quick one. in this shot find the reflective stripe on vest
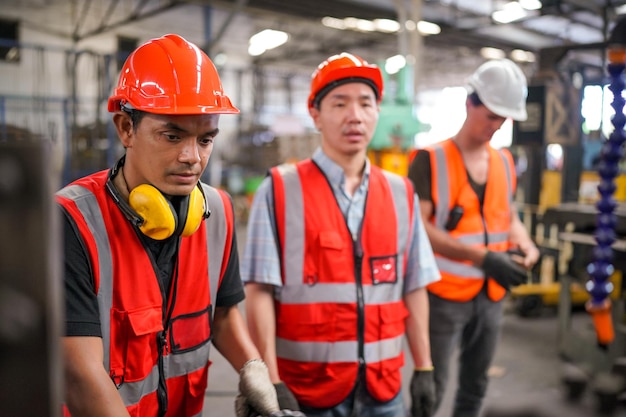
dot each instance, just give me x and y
(451, 187)
(217, 231)
(304, 202)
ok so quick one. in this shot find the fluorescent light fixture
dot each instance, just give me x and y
(380, 25)
(520, 55)
(220, 59)
(530, 4)
(394, 64)
(386, 25)
(265, 40)
(492, 53)
(428, 28)
(360, 25)
(410, 25)
(255, 49)
(509, 13)
(619, 10)
(333, 22)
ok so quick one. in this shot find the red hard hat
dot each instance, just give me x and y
(341, 69)
(170, 75)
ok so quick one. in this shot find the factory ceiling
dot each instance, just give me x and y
(466, 26)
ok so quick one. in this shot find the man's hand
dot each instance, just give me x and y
(422, 393)
(529, 255)
(501, 267)
(257, 394)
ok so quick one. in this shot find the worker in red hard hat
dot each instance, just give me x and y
(337, 261)
(151, 269)
(466, 190)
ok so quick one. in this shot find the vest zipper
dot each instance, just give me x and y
(486, 235)
(169, 300)
(360, 304)
(162, 388)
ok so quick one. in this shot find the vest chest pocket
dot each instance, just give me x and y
(133, 342)
(190, 331)
(333, 258)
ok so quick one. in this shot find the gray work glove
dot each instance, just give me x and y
(506, 272)
(257, 395)
(422, 393)
(286, 399)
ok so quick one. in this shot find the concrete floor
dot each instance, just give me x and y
(525, 376)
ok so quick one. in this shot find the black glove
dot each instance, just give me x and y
(286, 399)
(506, 272)
(422, 393)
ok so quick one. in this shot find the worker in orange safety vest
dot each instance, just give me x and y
(466, 191)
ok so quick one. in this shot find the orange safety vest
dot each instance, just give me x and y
(485, 227)
(341, 304)
(152, 347)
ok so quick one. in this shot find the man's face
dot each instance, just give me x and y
(484, 123)
(347, 118)
(169, 152)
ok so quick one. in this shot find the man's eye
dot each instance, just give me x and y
(171, 136)
(206, 141)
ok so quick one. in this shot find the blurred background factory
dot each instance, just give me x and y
(60, 59)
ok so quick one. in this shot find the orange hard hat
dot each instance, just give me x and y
(170, 75)
(341, 69)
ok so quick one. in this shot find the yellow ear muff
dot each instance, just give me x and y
(195, 213)
(156, 211)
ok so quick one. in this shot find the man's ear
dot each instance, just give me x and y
(124, 127)
(315, 115)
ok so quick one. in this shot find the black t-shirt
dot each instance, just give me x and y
(82, 315)
(420, 175)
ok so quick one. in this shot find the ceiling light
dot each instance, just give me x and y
(220, 59)
(492, 53)
(365, 25)
(511, 12)
(360, 25)
(410, 25)
(520, 55)
(254, 49)
(333, 22)
(394, 64)
(265, 40)
(530, 4)
(428, 28)
(386, 25)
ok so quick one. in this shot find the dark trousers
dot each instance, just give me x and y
(473, 327)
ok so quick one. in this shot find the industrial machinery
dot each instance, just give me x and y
(397, 124)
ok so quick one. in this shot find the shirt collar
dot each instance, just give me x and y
(334, 172)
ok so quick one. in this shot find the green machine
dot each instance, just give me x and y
(397, 123)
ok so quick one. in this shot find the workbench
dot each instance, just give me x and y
(577, 341)
(583, 216)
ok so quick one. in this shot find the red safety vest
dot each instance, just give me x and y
(486, 227)
(341, 303)
(131, 307)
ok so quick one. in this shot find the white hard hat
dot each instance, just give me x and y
(501, 86)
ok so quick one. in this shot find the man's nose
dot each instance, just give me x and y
(190, 152)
